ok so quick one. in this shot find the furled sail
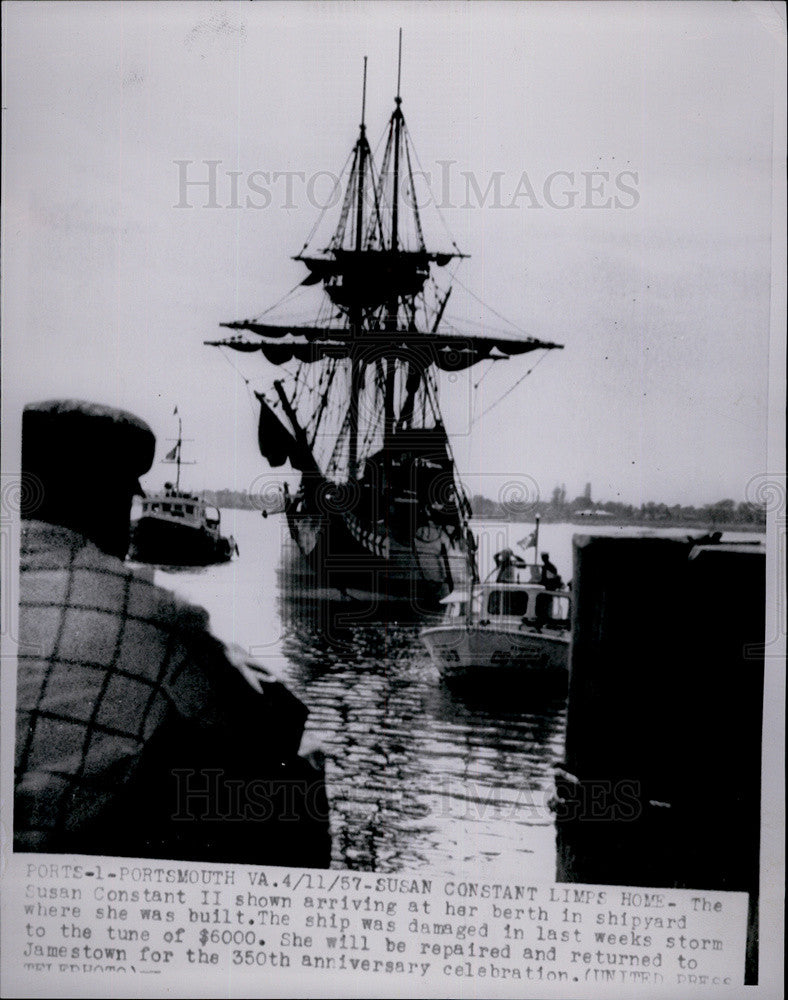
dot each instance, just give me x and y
(370, 278)
(277, 444)
(449, 353)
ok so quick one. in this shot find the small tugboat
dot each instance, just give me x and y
(177, 528)
(511, 626)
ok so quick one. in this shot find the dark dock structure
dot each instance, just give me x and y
(661, 782)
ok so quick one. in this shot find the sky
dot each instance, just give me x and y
(628, 150)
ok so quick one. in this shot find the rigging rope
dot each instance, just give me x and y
(278, 302)
(408, 143)
(509, 390)
(490, 308)
(487, 372)
(330, 201)
(437, 206)
(243, 378)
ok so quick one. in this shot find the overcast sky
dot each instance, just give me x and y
(661, 296)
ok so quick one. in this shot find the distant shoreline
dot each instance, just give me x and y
(590, 521)
(614, 522)
(234, 500)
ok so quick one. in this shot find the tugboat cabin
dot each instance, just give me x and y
(181, 507)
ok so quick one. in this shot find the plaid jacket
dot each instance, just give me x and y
(106, 659)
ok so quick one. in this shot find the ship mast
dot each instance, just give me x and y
(392, 309)
(373, 273)
(355, 316)
(397, 119)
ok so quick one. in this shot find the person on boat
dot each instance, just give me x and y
(550, 578)
(507, 563)
(134, 722)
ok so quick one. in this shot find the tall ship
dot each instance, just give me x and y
(380, 507)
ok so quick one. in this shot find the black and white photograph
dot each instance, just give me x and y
(393, 483)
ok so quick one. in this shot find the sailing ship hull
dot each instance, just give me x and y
(155, 540)
(353, 557)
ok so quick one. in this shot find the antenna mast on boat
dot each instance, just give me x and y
(174, 456)
(178, 456)
(536, 540)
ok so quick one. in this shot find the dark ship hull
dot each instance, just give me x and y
(356, 557)
(168, 544)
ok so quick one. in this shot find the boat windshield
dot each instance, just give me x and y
(559, 610)
(511, 603)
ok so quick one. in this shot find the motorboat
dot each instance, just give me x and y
(513, 624)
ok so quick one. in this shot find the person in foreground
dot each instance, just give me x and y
(139, 734)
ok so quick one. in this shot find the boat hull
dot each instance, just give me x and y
(347, 555)
(168, 543)
(459, 650)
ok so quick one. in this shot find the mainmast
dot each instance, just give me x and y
(356, 370)
(392, 309)
(362, 156)
(397, 121)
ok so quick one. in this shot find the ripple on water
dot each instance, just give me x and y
(420, 776)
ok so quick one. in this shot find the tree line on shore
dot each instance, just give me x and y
(723, 512)
(558, 508)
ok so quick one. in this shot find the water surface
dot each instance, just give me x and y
(419, 776)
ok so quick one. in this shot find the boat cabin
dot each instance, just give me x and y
(181, 507)
(505, 603)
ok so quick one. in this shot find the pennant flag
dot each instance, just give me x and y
(171, 456)
(175, 410)
(529, 542)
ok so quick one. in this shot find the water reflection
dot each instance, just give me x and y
(419, 775)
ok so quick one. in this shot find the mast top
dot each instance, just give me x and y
(398, 98)
(364, 97)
